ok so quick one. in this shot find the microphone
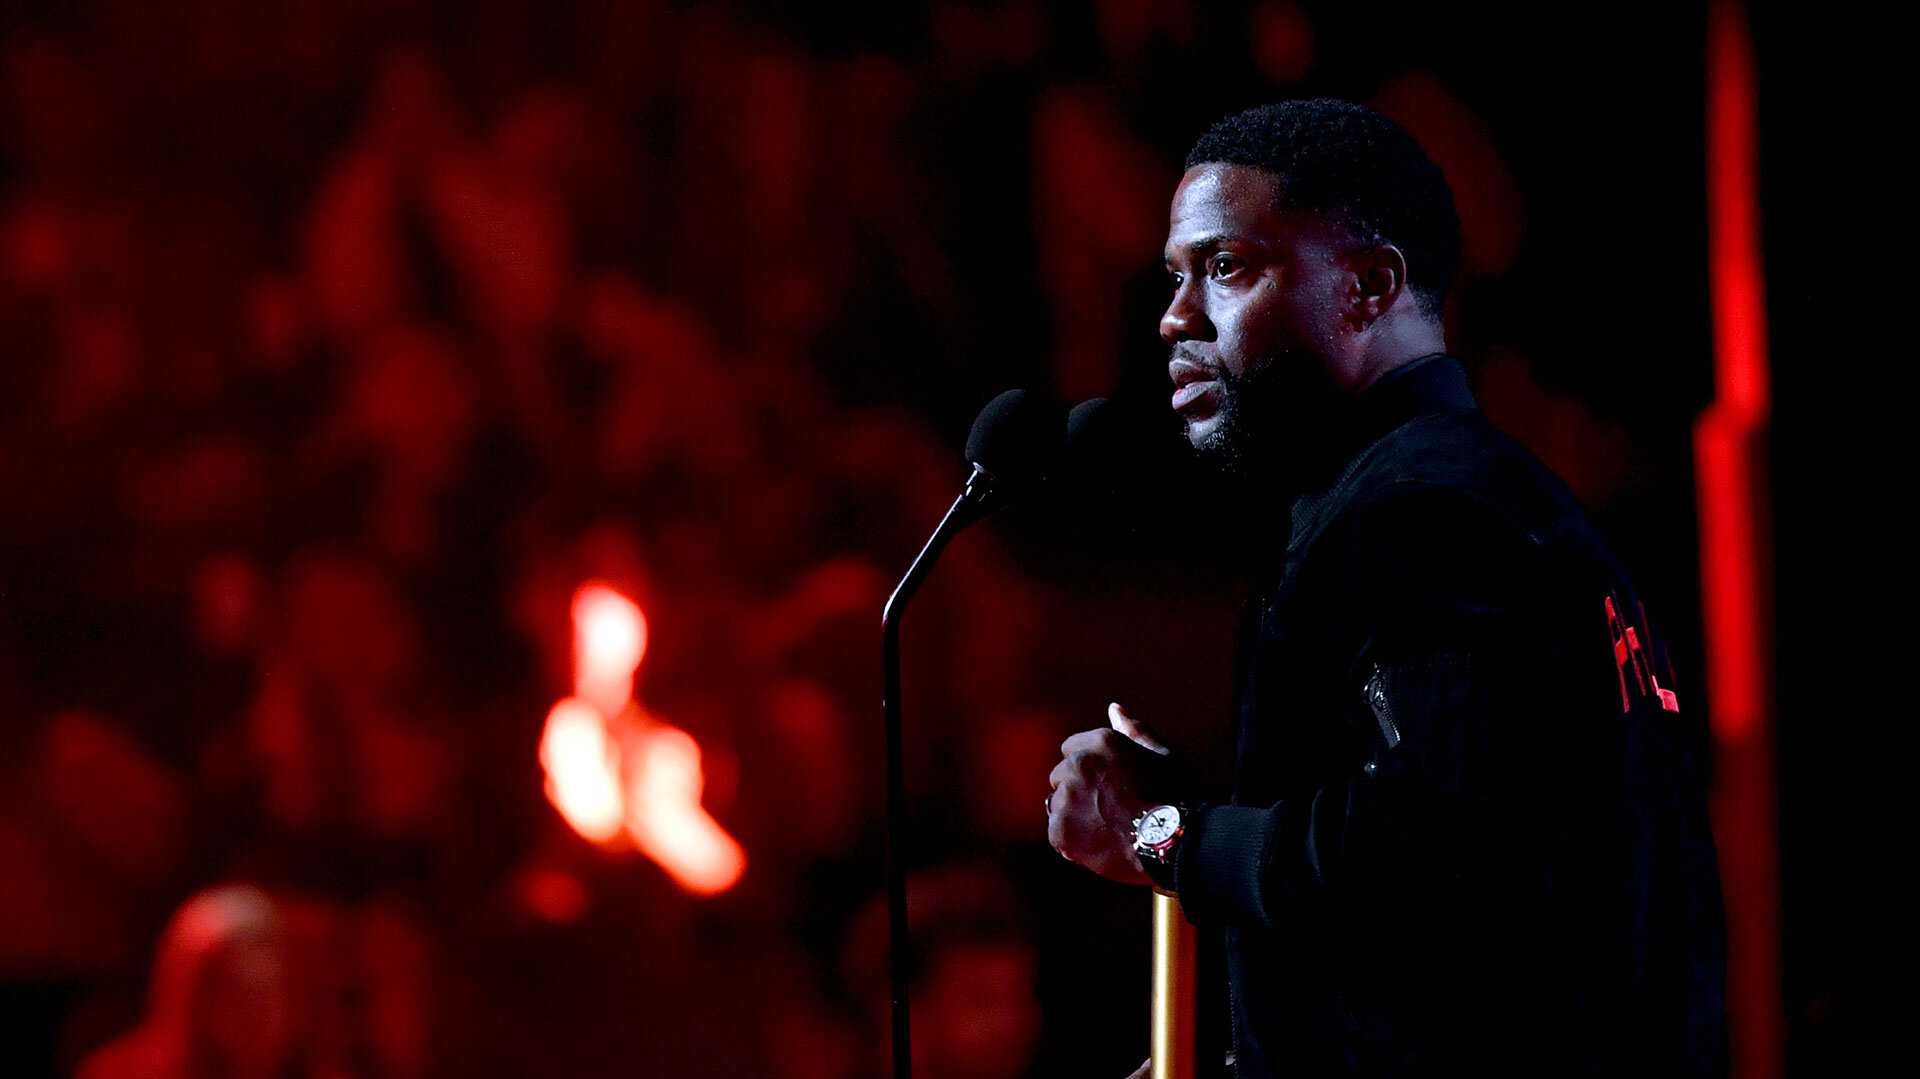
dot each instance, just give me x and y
(1119, 459)
(1092, 437)
(1016, 443)
(1084, 419)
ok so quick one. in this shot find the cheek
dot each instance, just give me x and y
(1265, 325)
(1312, 316)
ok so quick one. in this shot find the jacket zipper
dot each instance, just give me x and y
(1376, 693)
(1233, 1026)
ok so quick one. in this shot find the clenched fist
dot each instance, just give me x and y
(1106, 779)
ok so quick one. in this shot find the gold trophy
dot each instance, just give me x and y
(1174, 946)
(1174, 949)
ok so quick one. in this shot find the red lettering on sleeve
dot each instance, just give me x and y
(1618, 633)
(1629, 651)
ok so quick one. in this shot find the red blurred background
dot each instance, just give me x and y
(343, 342)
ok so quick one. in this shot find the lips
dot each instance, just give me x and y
(1192, 382)
(1185, 396)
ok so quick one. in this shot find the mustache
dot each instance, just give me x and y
(1187, 353)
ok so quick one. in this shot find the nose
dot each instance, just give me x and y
(1184, 320)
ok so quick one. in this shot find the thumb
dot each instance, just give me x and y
(1131, 727)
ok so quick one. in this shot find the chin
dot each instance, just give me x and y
(1198, 431)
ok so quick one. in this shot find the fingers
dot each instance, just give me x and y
(1092, 806)
(1095, 797)
(1102, 744)
(1076, 769)
(1074, 806)
(1073, 813)
(1131, 727)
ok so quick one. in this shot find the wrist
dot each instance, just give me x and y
(1156, 842)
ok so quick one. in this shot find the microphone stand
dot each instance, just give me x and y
(974, 503)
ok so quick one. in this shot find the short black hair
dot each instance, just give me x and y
(1357, 169)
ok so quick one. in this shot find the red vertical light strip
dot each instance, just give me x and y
(1730, 477)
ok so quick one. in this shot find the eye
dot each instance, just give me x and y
(1222, 266)
(1174, 280)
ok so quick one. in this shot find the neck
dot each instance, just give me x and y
(1393, 342)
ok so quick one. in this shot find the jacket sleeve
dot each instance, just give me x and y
(1430, 598)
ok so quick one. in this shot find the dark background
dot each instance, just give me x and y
(343, 339)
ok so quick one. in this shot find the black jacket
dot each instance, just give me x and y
(1469, 831)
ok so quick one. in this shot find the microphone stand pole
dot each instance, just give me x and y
(968, 508)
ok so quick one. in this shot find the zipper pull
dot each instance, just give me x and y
(1376, 694)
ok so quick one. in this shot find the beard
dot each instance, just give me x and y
(1273, 422)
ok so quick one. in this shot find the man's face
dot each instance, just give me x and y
(1255, 319)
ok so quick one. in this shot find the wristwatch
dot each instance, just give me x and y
(1156, 835)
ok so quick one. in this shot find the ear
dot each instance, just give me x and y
(1379, 278)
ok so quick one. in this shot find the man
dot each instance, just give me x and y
(1468, 831)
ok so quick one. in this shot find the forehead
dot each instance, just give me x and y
(1217, 202)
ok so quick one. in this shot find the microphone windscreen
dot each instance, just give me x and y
(1107, 445)
(1089, 426)
(1123, 455)
(1017, 437)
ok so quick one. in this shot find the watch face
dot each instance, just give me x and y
(1158, 826)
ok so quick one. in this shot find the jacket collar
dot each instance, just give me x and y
(1431, 384)
(1435, 383)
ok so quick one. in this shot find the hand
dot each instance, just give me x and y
(1097, 794)
(1145, 1070)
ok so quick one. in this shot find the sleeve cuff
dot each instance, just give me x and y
(1220, 863)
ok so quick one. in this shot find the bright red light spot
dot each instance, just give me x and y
(609, 641)
(612, 769)
(582, 766)
(1731, 472)
(665, 818)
